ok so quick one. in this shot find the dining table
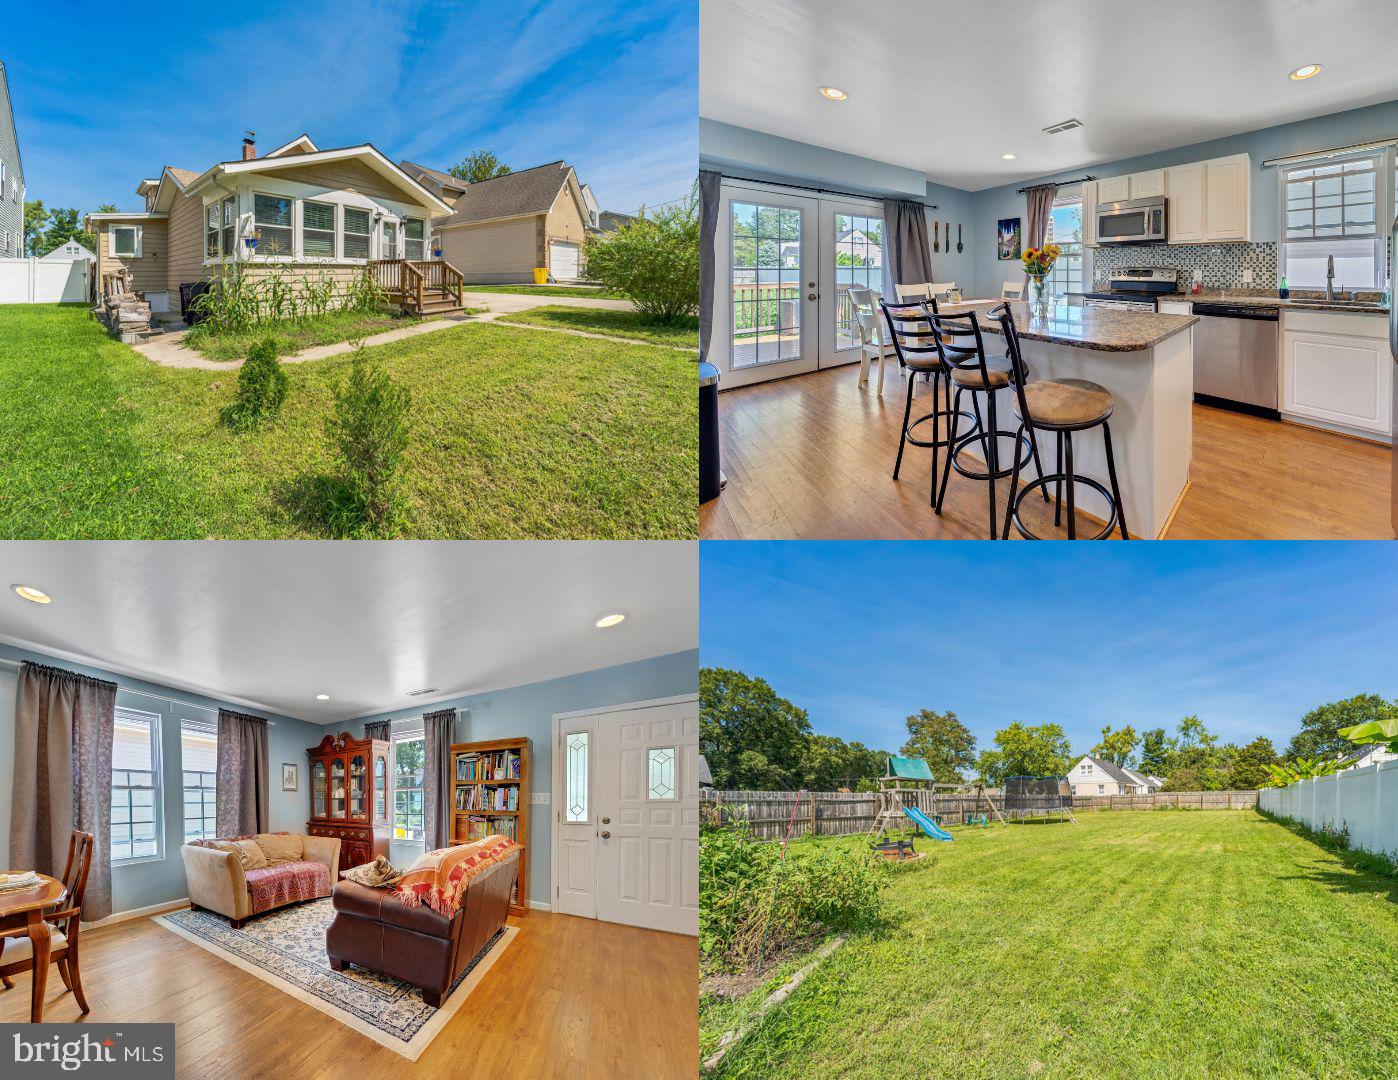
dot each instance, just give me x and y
(25, 908)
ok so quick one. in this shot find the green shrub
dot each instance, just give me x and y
(653, 260)
(822, 887)
(261, 388)
(237, 301)
(368, 429)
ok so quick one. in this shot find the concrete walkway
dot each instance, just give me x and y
(170, 350)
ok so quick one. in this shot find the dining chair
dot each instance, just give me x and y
(874, 342)
(1012, 290)
(927, 290)
(16, 950)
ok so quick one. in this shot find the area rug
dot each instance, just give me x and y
(286, 948)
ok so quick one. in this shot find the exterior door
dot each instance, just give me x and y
(577, 818)
(563, 260)
(388, 246)
(766, 285)
(647, 805)
(851, 255)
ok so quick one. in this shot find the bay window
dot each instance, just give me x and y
(355, 233)
(318, 229)
(1330, 210)
(272, 218)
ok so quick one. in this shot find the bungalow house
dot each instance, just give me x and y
(11, 178)
(299, 209)
(501, 229)
(1097, 776)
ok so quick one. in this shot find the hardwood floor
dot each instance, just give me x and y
(812, 457)
(569, 998)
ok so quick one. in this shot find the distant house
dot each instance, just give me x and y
(1366, 755)
(594, 209)
(11, 177)
(1096, 776)
(67, 252)
(609, 220)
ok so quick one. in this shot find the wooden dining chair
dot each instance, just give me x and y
(16, 952)
(926, 290)
(874, 339)
(1012, 290)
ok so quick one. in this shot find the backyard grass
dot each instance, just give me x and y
(550, 290)
(1143, 944)
(293, 335)
(684, 332)
(514, 434)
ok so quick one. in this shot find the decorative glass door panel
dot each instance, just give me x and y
(851, 256)
(320, 792)
(358, 785)
(338, 799)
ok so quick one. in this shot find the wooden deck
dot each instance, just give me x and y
(419, 287)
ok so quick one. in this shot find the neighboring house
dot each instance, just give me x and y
(67, 252)
(594, 208)
(11, 177)
(1096, 776)
(502, 228)
(861, 247)
(298, 209)
(1374, 754)
(610, 219)
(446, 187)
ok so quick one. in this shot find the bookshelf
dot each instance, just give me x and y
(490, 794)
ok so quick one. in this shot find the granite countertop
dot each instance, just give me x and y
(1310, 300)
(1101, 329)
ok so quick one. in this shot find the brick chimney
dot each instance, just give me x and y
(249, 147)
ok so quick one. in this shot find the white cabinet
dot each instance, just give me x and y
(1226, 186)
(1336, 369)
(1114, 189)
(1089, 213)
(1184, 187)
(1175, 307)
(1147, 185)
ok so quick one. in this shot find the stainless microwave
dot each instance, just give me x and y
(1138, 221)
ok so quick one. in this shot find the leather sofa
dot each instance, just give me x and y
(373, 929)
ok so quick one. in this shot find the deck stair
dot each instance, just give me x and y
(420, 286)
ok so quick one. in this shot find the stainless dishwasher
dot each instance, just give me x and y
(1235, 358)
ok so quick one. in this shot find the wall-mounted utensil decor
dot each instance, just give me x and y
(936, 241)
(959, 248)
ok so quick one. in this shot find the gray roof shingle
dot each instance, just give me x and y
(412, 168)
(529, 192)
(1114, 771)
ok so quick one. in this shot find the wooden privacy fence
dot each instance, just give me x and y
(839, 813)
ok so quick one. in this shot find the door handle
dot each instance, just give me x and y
(810, 296)
(606, 835)
(606, 821)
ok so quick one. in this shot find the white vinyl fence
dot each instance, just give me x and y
(44, 281)
(1362, 801)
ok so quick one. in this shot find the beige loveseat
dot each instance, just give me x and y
(245, 876)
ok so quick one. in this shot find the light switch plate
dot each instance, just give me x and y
(1247, 277)
(540, 798)
(1198, 275)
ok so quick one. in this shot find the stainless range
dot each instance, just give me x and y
(1134, 288)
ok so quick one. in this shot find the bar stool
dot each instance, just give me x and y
(1062, 406)
(962, 350)
(921, 354)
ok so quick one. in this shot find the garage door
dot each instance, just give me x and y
(563, 260)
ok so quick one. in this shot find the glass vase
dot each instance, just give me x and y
(1041, 294)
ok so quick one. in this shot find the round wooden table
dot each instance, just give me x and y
(25, 908)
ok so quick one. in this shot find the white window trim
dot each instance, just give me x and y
(1066, 196)
(205, 727)
(337, 211)
(408, 732)
(1384, 194)
(111, 241)
(157, 796)
(354, 260)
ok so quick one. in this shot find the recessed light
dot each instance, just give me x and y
(1305, 71)
(33, 595)
(834, 93)
(608, 620)
(1007, 157)
(322, 697)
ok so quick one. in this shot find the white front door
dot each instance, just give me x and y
(576, 820)
(563, 260)
(851, 255)
(647, 805)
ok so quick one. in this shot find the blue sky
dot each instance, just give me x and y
(1247, 635)
(609, 86)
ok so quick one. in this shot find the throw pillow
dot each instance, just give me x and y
(280, 847)
(377, 873)
(249, 854)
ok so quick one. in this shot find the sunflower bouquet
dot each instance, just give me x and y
(1039, 261)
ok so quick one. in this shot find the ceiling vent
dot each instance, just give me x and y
(424, 690)
(1066, 125)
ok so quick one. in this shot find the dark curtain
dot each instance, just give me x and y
(242, 774)
(377, 729)
(709, 191)
(63, 776)
(909, 259)
(1038, 208)
(437, 731)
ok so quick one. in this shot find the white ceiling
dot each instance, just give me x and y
(938, 86)
(271, 625)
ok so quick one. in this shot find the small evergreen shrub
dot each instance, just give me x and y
(368, 430)
(262, 387)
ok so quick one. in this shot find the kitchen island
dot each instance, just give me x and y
(1146, 361)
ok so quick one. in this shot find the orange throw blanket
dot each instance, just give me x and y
(439, 878)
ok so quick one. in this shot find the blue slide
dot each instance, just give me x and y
(926, 824)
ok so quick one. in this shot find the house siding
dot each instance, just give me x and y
(564, 222)
(495, 254)
(11, 206)
(340, 176)
(185, 227)
(147, 272)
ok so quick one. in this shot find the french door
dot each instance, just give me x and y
(784, 266)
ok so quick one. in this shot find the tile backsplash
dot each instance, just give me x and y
(1223, 264)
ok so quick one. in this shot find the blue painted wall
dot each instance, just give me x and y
(142, 884)
(528, 710)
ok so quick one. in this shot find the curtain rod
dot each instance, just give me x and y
(808, 187)
(1059, 183)
(144, 693)
(1351, 148)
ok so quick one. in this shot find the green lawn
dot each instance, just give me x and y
(515, 434)
(550, 290)
(684, 332)
(295, 335)
(1141, 944)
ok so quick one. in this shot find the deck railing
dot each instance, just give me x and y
(409, 280)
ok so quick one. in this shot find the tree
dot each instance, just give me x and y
(63, 226)
(751, 737)
(107, 208)
(1184, 780)
(943, 741)
(831, 763)
(1025, 750)
(1319, 735)
(1156, 749)
(1249, 767)
(653, 260)
(1116, 746)
(479, 165)
(35, 218)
